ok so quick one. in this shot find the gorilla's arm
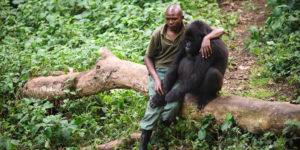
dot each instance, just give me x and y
(221, 54)
(172, 74)
(206, 47)
(192, 82)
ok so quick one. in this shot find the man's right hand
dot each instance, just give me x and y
(158, 86)
(157, 82)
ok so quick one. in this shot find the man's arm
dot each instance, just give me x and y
(206, 50)
(157, 82)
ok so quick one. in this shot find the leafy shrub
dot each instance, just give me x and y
(30, 122)
(207, 134)
(277, 43)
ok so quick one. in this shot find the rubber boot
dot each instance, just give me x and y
(145, 138)
(166, 123)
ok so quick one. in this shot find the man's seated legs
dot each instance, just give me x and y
(152, 115)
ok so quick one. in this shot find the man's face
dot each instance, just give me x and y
(173, 21)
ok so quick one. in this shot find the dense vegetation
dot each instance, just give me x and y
(277, 43)
(44, 35)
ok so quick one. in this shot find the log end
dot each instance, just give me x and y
(255, 115)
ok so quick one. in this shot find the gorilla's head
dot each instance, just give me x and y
(192, 40)
(194, 35)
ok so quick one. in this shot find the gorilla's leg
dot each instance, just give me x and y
(191, 77)
(212, 84)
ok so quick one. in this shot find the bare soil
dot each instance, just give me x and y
(238, 78)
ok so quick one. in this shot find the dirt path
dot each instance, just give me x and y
(241, 59)
(237, 79)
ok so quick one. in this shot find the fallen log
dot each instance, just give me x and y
(108, 73)
(255, 115)
(117, 143)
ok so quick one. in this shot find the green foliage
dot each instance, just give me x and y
(207, 134)
(47, 35)
(291, 128)
(277, 43)
(32, 124)
(44, 35)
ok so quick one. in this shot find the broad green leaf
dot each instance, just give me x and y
(48, 132)
(228, 117)
(202, 134)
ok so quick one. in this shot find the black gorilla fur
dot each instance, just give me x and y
(197, 75)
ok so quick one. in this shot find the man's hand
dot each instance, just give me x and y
(205, 49)
(158, 86)
(157, 82)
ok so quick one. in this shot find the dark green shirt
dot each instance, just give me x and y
(161, 49)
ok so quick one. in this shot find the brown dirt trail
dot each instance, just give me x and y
(237, 79)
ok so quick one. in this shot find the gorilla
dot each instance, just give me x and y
(197, 75)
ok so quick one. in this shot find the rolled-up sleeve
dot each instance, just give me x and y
(153, 45)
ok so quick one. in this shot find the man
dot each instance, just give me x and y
(159, 55)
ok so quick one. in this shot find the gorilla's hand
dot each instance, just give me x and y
(205, 49)
(157, 100)
(174, 95)
(201, 104)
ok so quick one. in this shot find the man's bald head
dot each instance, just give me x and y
(174, 18)
(174, 9)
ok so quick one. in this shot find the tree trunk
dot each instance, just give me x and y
(117, 143)
(110, 73)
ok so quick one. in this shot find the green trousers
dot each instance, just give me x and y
(167, 112)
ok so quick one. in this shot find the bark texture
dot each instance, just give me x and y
(117, 143)
(110, 73)
(254, 115)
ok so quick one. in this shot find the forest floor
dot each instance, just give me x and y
(239, 77)
(244, 68)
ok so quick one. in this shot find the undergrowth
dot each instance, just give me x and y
(208, 135)
(277, 43)
(46, 35)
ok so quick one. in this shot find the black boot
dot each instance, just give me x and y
(166, 123)
(145, 138)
